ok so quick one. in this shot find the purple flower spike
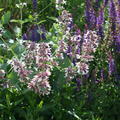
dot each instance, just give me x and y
(117, 43)
(69, 50)
(113, 17)
(35, 33)
(34, 4)
(78, 51)
(90, 15)
(106, 2)
(88, 3)
(79, 82)
(78, 32)
(112, 67)
(25, 37)
(100, 22)
(97, 4)
(100, 18)
(112, 10)
(119, 2)
(100, 31)
(117, 77)
(118, 12)
(74, 61)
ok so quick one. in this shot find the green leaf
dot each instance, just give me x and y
(13, 77)
(41, 22)
(21, 21)
(18, 102)
(1, 9)
(8, 100)
(1, 59)
(65, 63)
(6, 17)
(7, 34)
(51, 18)
(2, 106)
(17, 21)
(74, 114)
(40, 104)
(17, 31)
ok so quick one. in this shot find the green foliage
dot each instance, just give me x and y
(6, 18)
(100, 101)
(77, 8)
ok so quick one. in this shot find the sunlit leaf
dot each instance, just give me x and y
(6, 17)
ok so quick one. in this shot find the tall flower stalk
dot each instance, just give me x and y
(90, 15)
(34, 4)
(112, 66)
(115, 25)
(100, 22)
(105, 2)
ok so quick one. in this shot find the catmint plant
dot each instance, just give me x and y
(77, 47)
(37, 61)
